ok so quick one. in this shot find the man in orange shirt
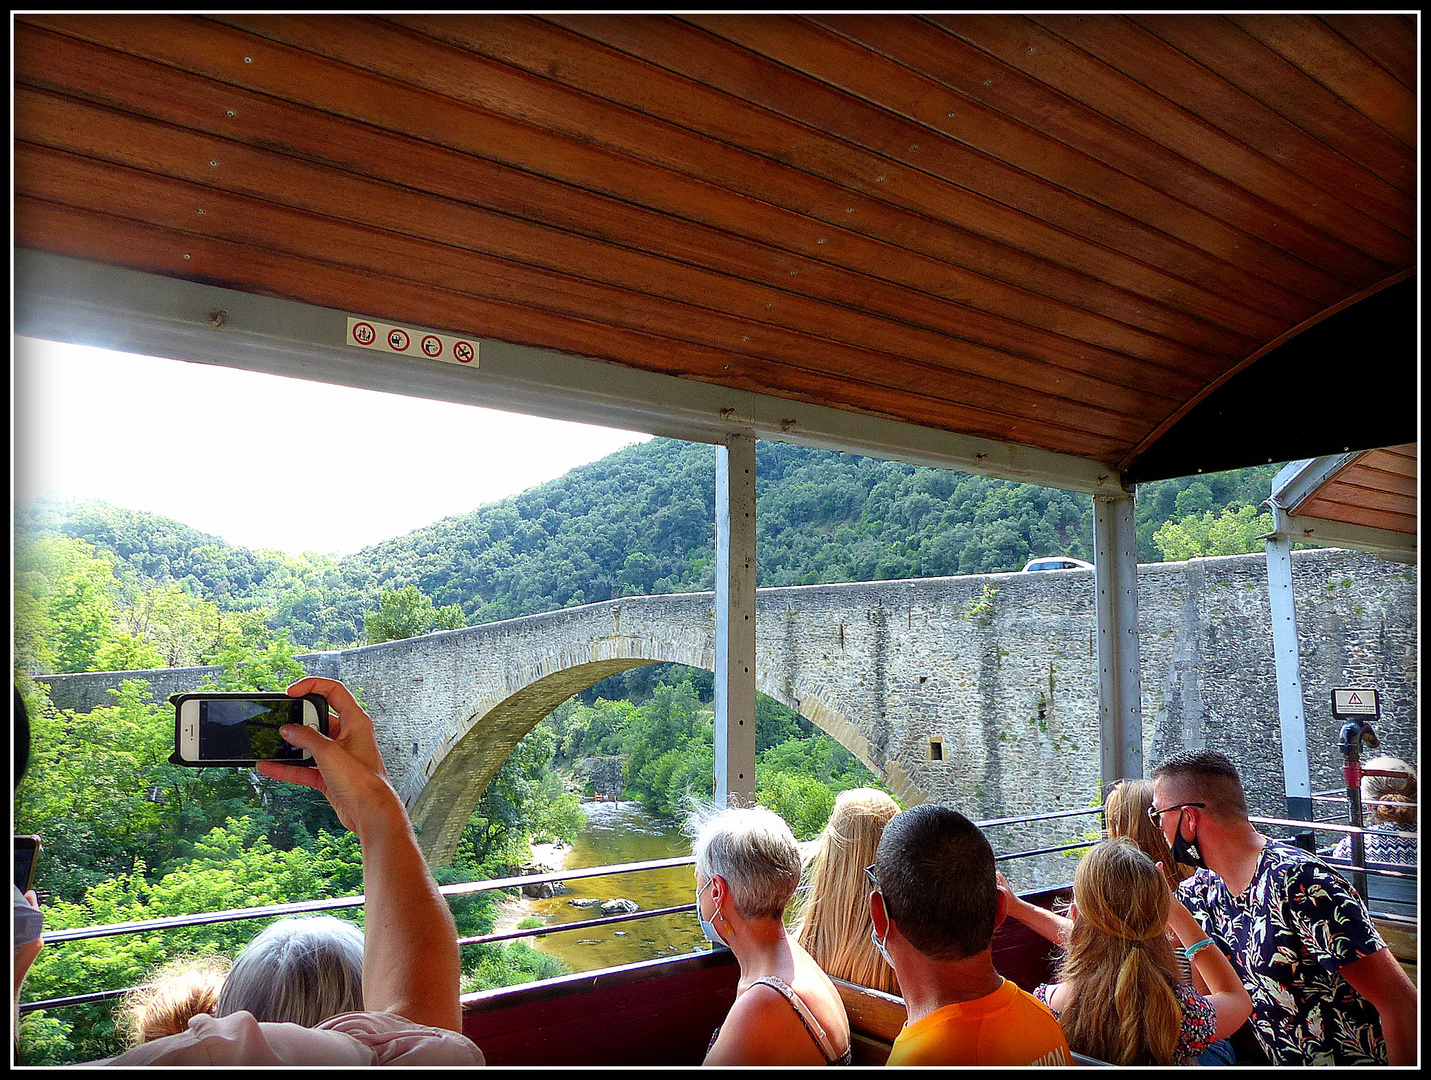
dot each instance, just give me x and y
(935, 908)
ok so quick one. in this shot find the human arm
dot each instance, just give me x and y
(1046, 923)
(1223, 986)
(25, 952)
(1380, 979)
(411, 964)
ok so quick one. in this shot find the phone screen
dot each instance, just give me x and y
(24, 864)
(243, 729)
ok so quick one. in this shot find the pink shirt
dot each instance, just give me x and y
(348, 1039)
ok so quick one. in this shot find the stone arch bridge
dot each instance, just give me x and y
(1000, 669)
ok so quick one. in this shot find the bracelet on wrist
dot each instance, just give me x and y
(1192, 950)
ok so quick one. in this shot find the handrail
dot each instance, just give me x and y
(464, 889)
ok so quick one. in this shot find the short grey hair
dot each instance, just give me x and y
(755, 851)
(300, 970)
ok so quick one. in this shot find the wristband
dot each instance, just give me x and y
(1191, 950)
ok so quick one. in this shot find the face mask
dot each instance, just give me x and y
(707, 927)
(1185, 851)
(878, 944)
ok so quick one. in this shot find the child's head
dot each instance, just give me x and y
(178, 991)
(1118, 890)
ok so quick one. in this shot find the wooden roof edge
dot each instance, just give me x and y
(62, 298)
(1393, 546)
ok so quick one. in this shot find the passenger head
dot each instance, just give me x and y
(936, 874)
(1394, 796)
(1125, 813)
(754, 851)
(1119, 965)
(175, 993)
(1203, 776)
(834, 926)
(298, 971)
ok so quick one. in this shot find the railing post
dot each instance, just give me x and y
(735, 621)
(1115, 578)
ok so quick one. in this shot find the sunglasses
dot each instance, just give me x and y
(869, 873)
(1154, 813)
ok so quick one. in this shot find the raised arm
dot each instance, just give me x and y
(1224, 988)
(411, 965)
(1049, 924)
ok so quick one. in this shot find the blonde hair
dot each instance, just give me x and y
(1400, 790)
(1125, 813)
(1119, 967)
(178, 991)
(834, 925)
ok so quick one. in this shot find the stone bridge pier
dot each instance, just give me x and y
(977, 691)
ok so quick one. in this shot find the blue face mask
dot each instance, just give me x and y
(707, 927)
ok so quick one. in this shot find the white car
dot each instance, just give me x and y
(1056, 562)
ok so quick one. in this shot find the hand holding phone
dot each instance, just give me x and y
(242, 729)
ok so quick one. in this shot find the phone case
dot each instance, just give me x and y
(177, 700)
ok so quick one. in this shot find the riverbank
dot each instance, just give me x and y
(511, 910)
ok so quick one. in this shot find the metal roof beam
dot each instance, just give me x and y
(59, 298)
(1297, 482)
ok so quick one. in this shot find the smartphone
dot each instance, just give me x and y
(26, 850)
(242, 729)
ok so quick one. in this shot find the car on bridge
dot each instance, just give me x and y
(1056, 562)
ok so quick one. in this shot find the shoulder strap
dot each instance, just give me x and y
(827, 1049)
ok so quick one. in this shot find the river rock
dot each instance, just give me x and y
(583, 901)
(619, 906)
(543, 890)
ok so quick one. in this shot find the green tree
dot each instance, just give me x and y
(1233, 531)
(65, 604)
(409, 612)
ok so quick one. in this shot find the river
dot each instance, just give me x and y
(613, 834)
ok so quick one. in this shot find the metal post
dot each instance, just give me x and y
(1295, 767)
(735, 621)
(1115, 577)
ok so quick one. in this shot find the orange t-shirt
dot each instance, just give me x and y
(1007, 1027)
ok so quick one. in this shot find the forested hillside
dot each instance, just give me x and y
(641, 521)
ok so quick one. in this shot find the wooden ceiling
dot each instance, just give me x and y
(1056, 231)
(1376, 489)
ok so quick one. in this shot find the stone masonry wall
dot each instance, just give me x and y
(1000, 667)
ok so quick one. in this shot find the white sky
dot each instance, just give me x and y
(252, 458)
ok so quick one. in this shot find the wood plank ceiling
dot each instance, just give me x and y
(1376, 489)
(1057, 231)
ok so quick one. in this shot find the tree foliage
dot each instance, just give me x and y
(1233, 531)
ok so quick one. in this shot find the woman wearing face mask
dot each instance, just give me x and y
(786, 1011)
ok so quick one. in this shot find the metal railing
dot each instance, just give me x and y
(466, 888)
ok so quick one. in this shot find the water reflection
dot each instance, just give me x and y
(620, 834)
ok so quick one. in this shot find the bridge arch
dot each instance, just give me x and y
(443, 789)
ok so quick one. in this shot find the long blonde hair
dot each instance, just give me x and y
(1125, 813)
(1119, 967)
(834, 924)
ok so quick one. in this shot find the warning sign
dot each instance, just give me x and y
(385, 337)
(1354, 701)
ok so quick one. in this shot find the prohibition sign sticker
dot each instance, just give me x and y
(385, 337)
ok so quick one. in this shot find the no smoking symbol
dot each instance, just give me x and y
(432, 346)
(364, 334)
(463, 351)
(398, 339)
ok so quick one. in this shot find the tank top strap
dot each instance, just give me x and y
(817, 1032)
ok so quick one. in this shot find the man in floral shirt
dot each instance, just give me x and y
(1325, 989)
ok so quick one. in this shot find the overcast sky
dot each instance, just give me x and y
(236, 453)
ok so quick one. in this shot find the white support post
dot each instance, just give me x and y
(1296, 770)
(1115, 577)
(735, 621)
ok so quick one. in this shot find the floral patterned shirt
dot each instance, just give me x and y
(1298, 923)
(1198, 1027)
